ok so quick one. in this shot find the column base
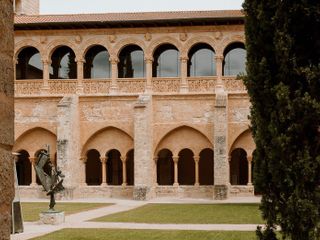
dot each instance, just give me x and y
(113, 90)
(197, 185)
(104, 185)
(176, 184)
(221, 192)
(184, 88)
(143, 193)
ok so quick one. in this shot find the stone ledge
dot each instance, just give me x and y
(51, 217)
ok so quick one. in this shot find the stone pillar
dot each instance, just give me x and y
(249, 158)
(33, 172)
(68, 142)
(143, 148)
(15, 62)
(196, 161)
(155, 159)
(46, 76)
(219, 61)
(7, 117)
(114, 75)
(124, 171)
(175, 162)
(148, 62)
(80, 75)
(221, 166)
(184, 74)
(104, 171)
(83, 160)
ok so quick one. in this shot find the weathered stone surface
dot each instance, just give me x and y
(51, 218)
(6, 115)
(221, 192)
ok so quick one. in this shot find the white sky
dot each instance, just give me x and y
(98, 6)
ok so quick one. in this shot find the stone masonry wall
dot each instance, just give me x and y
(6, 115)
(27, 7)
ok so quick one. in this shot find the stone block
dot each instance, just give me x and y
(221, 192)
(142, 193)
(51, 217)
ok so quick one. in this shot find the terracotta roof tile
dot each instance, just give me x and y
(127, 17)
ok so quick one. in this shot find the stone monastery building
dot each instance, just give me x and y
(133, 105)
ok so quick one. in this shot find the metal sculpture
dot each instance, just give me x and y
(49, 175)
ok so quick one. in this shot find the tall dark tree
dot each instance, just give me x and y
(283, 82)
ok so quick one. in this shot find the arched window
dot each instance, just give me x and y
(97, 64)
(23, 167)
(234, 59)
(29, 64)
(166, 61)
(63, 65)
(186, 167)
(131, 62)
(114, 168)
(165, 168)
(93, 168)
(206, 165)
(130, 167)
(239, 167)
(201, 61)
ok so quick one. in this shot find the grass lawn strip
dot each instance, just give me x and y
(124, 234)
(31, 210)
(189, 214)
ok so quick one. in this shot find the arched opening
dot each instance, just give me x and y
(93, 168)
(239, 167)
(130, 167)
(29, 64)
(97, 63)
(166, 61)
(206, 165)
(23, 167)
(114, 168)
(131, 62)
(63, 64)
(186, 167)
(234, 61)
(165, 168)
(201, 61)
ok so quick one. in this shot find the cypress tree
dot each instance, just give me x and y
(283, 82)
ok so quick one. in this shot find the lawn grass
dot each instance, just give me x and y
(189, 213)
(31, 210)
(125, 234)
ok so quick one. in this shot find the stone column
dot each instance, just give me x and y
(33, 172)
(15, 62)
(221, 166)
(114, 75)
(83, 160)
(124, 171)
(46, 76)
(80, 63)
(68, 143)
(148, 62)
(143, 149)
(249, 158)
(196, 161)
(184, 73)
(7, 117)
(155, 159)
(175, 162)
(219, 61)
(104, 171)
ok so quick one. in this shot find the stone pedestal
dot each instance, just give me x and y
(51, 217)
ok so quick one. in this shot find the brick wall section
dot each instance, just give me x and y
(6, 116)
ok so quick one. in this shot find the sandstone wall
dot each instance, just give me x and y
(6, 115)
(27, 7)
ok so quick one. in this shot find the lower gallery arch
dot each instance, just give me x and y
(23, 167)
(206, 165)
(239, 167)
(93, 168)
(186, 167)
(130, 167)
(114, 167)
(165, 168)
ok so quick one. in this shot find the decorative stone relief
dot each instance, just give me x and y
(183, 36)
(217, 35)
(112, 38)
(147, 36)
(78, 39)
(239, 114)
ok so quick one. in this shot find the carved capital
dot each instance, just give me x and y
(46, 61)
(148, 59)
(123, 159)
(83, 159)
(114, 60)
(32, 160)
(80, 60)
(249, 158)
(196, 158)
(103, 159)
(219, 58)
(175, 159)
(184, 59)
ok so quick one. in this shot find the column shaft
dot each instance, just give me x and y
(196, 161)
(175, 161)
(124, 171)
(104, 170)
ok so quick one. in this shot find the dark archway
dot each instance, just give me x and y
(234, 61)
(63, 64)
(23, 167)
(186, 167)
(114, 168)
(165, 168)
(130, 167)
(201, 60)
(93, 168)
(97, 63)
(166, 61)
(131, 62)
(206, 167)
(239, 167)
(29, 64)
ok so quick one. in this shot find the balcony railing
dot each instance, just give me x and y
(98, 87)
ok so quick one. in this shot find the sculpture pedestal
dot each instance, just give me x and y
(51, 217)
